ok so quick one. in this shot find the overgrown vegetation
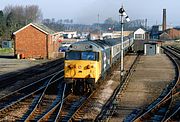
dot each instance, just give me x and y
(13, 18)
(6, 50)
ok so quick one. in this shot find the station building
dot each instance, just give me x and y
(139, 39)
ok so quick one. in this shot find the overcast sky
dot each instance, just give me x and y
(86, 11)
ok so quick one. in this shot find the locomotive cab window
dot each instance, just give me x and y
(88, 56)
(75, 55)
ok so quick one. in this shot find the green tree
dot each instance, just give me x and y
(10, 25)
(15, 17)
(2, 24)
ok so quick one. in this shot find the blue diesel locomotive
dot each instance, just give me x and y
(87, 61)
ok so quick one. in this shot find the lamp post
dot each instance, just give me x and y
(122, 14)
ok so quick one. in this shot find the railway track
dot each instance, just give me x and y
(52, 114)
(109, 108)
(21, 75)
(70, 105)
(31, 93)
(166, 106)
(44, 103)
(75, 107)
(65, 109)
(70, 108)
(62, 108)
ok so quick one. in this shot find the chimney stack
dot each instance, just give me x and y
(164, 20)
(146, 23)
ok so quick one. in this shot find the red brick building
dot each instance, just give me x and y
(170, 34)
(36, 41)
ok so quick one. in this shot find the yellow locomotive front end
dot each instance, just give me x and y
(82, 69)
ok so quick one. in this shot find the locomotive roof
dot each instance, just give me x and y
(96, 44)
(110, 42)
(101, 43)
(80, 46)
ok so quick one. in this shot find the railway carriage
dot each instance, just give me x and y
(87, 61)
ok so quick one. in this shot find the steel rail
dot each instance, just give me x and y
(170, 118)
(174, 48)
(12, 94)
(25, 73)
(61, 90)
(88, 99)
(71, 106)
(54, 107)
(57, 109)
(166, 94)
(41, 88)
(41, 96)
(25, 87)
(118, 90)
(27, 95)
(62, 101)
(173, 107)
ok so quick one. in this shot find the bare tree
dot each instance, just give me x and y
(19, 16)
(32, 13)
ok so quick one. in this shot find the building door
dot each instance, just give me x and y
(150, 49)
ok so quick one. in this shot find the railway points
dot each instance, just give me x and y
(15, 77)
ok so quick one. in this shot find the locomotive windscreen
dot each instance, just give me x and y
(78, 55)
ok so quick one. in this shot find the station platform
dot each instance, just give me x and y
(151, 75)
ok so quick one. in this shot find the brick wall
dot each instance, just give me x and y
(53, 45)
(173, 33)
(31, 43)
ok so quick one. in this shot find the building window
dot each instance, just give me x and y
(139, 36)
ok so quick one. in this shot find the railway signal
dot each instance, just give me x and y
(122, 14)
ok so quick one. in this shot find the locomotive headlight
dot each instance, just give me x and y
(87, 46)
(79, 66)
(70, 66)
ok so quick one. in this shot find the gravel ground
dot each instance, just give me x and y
(17, 113)
(151, 76)
(11, 64)
(23, 64)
